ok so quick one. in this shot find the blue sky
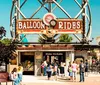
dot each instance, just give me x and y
(69, 5)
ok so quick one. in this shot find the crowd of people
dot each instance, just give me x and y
(48, 69)
(95, 66)
(81, 68)
(54, 69)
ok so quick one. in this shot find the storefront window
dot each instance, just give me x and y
(51, 56)
(28, 65)
(27, 60)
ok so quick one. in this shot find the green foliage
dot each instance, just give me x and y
(41, 40)
(62, 38)
(65, 38)
(6, 41)
(6, 51)
(2, 32)
(94, 57)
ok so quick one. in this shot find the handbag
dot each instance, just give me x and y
(42, 66)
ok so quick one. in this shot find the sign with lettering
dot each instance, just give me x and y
(54, 53)
(37, 26)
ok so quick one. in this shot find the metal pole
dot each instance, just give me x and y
(83, 17)
(17, 15)
(18, 5)
(50, 7)
(15, 28)
(62, 9)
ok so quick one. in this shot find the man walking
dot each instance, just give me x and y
(82, 70)
(86, 67)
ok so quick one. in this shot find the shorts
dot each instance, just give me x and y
(86, 69)
(49, 74)
(70, 73)
(54, 73)
(61, 70)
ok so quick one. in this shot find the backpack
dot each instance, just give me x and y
(42, 66)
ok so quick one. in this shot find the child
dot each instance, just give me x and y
(70, 71)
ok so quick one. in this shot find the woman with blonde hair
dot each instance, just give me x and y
(74, 69)
(20, 72)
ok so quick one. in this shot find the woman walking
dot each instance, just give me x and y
(62, 69)
(49, 71)
(74, 69)
(42, 67)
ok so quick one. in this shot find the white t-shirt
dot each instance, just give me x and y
(45, 63)
(13, 76)
(55, 68)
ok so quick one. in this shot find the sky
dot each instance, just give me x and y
(69, 5)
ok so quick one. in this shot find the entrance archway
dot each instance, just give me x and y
(83, 14)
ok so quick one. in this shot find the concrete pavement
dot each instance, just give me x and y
(92, 79)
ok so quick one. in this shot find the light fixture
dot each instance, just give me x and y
(53, 23)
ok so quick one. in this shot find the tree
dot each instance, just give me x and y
(65, 38)
(7, 48)
(7, 52)
(62, 38)
(6, 41)
(2, 32)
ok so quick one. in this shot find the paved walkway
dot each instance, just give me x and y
(39, 79)
(92, 79)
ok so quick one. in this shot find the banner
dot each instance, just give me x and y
(37, 26)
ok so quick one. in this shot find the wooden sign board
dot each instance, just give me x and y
(37, 26)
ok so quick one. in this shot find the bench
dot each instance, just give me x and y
(4, 77)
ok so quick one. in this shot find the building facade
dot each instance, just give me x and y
(32, 56)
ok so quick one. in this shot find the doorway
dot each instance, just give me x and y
(54, 56)
(27, 60)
